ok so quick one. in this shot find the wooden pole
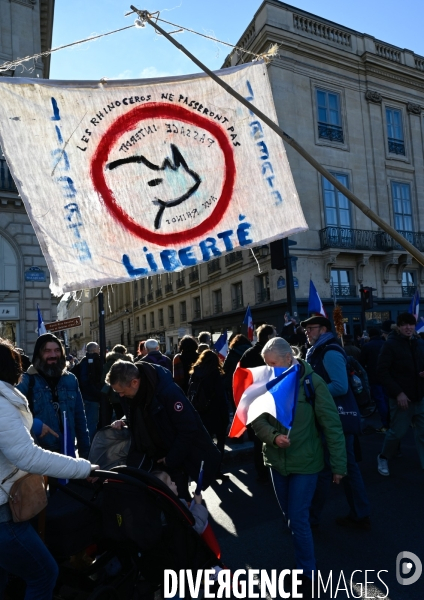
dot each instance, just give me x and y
(145, 16)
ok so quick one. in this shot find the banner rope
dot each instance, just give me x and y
(12, 65)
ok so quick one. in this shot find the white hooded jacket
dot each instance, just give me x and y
(18, 452)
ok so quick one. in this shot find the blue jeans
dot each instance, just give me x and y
(92, 416)
(382, 403)
(294, 494)
(353, 485)
(23, 553)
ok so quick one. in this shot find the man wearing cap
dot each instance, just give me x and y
(52, 394)
(329, 360)
(400, 368)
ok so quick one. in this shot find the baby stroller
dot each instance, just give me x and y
(123, 531)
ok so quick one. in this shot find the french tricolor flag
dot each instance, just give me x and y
(414, 309)
(221, 346)
(272, 390)
(315, 306)
(249, 322)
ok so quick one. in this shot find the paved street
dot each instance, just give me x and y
(250, 529)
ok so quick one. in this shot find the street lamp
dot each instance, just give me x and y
(263, 251)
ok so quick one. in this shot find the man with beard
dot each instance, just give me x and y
(52, 392)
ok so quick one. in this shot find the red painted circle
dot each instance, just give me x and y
(161, 111)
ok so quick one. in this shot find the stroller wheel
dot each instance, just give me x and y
(105, 592)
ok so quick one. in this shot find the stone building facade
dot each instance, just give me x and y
(25, 29)
(356, 104)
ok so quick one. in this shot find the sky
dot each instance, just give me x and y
(140, 53)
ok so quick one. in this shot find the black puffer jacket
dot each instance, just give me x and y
(399, 364)
(174, 427)
(216, 417)
(252, 357)
(231, 361)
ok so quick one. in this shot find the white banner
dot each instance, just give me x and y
(123, 179)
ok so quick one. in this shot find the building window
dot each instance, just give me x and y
(237, 295)
(193, 276)
(129, 332)
(183, 312)
(142, 291)
(341, 283)
(408, 284)
(136, 291)
(196, 307)
(171, 315)
(337, 210)
(168, 283)
(402, 207)
(262, 288)
(329, 116)
(137, 323)
(144, 322)
(6, 179)
(217, 301)
(152, 320)
(8, 266)
(122, 333)
(160, 317)
(395, 131)
(214, 266)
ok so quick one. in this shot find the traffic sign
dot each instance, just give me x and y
(65, 324)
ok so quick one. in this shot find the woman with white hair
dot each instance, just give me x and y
(296, 457)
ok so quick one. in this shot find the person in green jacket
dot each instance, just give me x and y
(296, 456)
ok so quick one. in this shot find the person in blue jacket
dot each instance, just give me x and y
(53, 393)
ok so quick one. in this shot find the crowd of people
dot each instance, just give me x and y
(178, 413)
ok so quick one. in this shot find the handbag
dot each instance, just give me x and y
(27, 497)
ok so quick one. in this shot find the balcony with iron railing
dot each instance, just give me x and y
(263, 296)
(142, 300)
(332, 133)
(217, 308)
(233, 258)
(150, 297)
(183, 317)
(168, 288)
(237, 302)
(193, 277)
(396, 146)
(214, 266)
(408, 291)
(196, 313)
(343, 291)
(180, 283)
(362, 239)
(6, 180)
(135, 303)
(159, 293)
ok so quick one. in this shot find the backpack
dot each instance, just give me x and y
(197, 396)
(358, 381)
(356, 376)
(347, 409)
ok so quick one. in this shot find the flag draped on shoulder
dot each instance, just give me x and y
(128, 179)
(315, 306)
(249, 322)
(259, 390)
